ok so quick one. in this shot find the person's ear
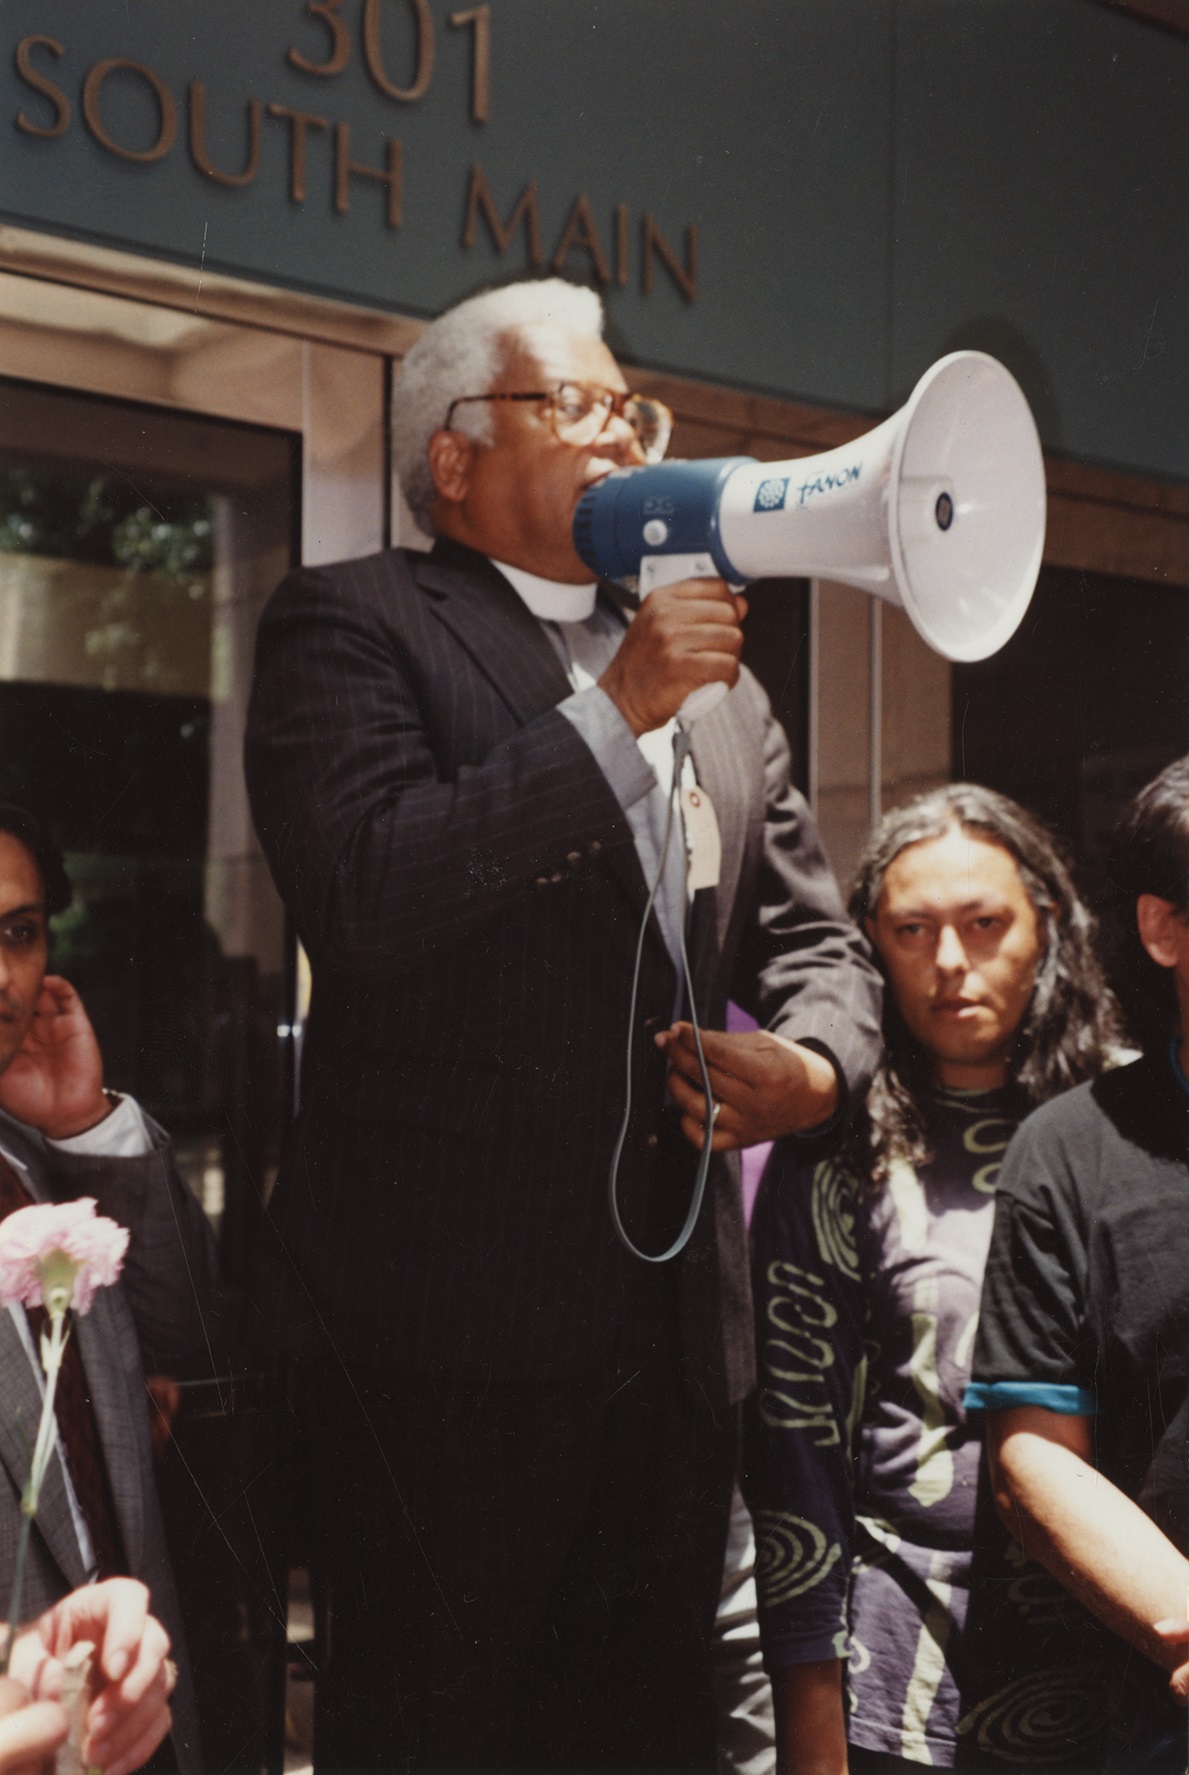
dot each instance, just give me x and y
(1158, 920)
(450, 454)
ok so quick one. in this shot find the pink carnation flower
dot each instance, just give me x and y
(33, 1238)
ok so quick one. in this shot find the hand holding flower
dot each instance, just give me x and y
(30, 1731)
(129, 1714)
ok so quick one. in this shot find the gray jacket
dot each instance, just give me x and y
(159, 1312)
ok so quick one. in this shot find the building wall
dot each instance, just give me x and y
(870, 182)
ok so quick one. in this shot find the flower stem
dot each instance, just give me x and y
(43, 1449)
(18, 1578)
(51, 1360)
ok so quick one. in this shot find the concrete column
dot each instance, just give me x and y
(879, 718)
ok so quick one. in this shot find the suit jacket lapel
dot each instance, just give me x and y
(20, 1413)
(506, 642)
(20, 1404)
(718, 750)
(496, 627)
(123, 1449)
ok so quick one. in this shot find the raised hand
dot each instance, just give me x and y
(54, 1081)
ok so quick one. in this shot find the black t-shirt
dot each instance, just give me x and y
(1086, 1298)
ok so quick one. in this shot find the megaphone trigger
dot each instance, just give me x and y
(669, 570)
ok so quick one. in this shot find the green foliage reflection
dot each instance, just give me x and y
(106, 520)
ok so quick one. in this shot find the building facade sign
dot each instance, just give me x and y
(807, 200)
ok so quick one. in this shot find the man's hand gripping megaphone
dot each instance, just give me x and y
(685, 641)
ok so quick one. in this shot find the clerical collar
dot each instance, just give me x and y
(550, 599)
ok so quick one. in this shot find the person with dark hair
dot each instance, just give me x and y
(20, 823)
(1149, 854)
(63, 1136)
(861, 1469)
(1082, 1356)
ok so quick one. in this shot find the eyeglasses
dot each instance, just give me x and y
(578, 414)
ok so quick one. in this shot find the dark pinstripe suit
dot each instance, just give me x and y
(469, 893)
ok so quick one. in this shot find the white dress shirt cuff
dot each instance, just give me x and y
(613, 743)
(124, 1134)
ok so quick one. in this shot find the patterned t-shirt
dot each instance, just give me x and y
(876, 1536)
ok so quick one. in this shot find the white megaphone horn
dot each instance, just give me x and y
(941, 509)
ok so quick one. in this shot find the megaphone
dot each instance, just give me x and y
(941, 510)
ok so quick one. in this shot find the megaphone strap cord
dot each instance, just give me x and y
(681, 751)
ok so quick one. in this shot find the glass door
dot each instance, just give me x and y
(159, 473)
(136, 550)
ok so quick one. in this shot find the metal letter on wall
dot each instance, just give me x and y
(340, 40)
(168, 129)
(374, 55)
(39, 83)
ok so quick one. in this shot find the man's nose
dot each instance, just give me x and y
(951, 955)
(618, 438)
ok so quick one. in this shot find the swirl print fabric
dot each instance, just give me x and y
(876, 1537)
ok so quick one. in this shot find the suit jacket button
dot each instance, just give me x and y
(650, 1142)
(653, 1025)
(542, 881)
(573, 857)
(594, 847)
(558, 875)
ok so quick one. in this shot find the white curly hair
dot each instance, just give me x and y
(461, 353)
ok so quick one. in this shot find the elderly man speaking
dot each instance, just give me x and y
(460, 763)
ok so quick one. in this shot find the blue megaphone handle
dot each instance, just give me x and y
(670, 509)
